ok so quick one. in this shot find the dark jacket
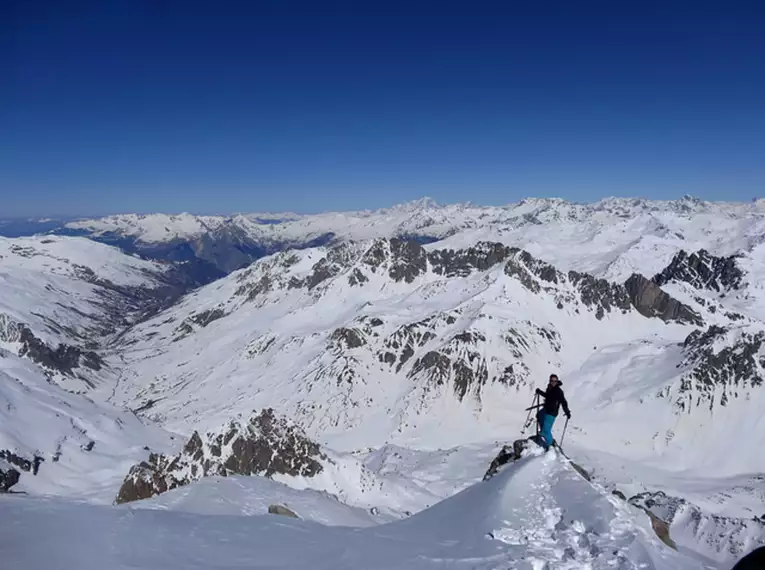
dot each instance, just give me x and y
(554, 398)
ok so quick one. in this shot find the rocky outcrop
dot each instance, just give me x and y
(408, 260)
(599, 294)
(201, 320)
(722, 363)
(10, 330)
(282, 511)
(264, 445)
(28, 465)
(461, 263)
(702, 270)
(506, 455)
(650, 301)
(64, 359)
(338, 258)
(8, 476)
(401, 345)
(460, 363)
(347, 338)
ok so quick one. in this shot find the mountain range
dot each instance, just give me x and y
(380, 357)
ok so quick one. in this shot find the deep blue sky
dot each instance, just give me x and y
(151, 105)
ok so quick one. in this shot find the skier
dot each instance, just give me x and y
(554, 398)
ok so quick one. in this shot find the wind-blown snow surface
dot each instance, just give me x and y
(536, 514)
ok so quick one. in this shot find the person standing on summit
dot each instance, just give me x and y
(554, 398)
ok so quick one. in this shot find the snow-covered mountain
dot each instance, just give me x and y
(611, 238)
(389, 341)
(63, 301)
(397, 347)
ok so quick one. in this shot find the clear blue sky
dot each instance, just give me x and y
(158, 105)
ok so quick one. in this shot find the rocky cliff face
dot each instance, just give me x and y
(264, 445)
(703, 271)
(650, 301)
(723, 363)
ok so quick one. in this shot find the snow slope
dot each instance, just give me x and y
(70, 291)
(86, 447)
(539, 512)
(251, 496)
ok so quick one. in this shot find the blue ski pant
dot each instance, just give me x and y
(546, 422)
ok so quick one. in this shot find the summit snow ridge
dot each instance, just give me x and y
(538, 512)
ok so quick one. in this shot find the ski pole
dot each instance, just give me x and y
(564, 433)
(528, 417)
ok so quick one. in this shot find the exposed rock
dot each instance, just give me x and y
(703, 271)
(348, 338)
(461, 263)
(252, 290)
(10, 330)
(401, 345)
(541, 269)
(618, 493)
(22, 463)
(514, 268)
(206, 317)
(724, 363)
(202, 319)
(265, 445)
(376, 255)
(650, 301)
(282, 510)
(408, 260)
(8, 476)
(600, 294)
(460, 362)
(337, 259)
(506, 455)
(357, 278)
(63, 359)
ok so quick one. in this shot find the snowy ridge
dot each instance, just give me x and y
(536, 513)
(611, 238)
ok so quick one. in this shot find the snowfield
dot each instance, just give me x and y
(405, 366)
